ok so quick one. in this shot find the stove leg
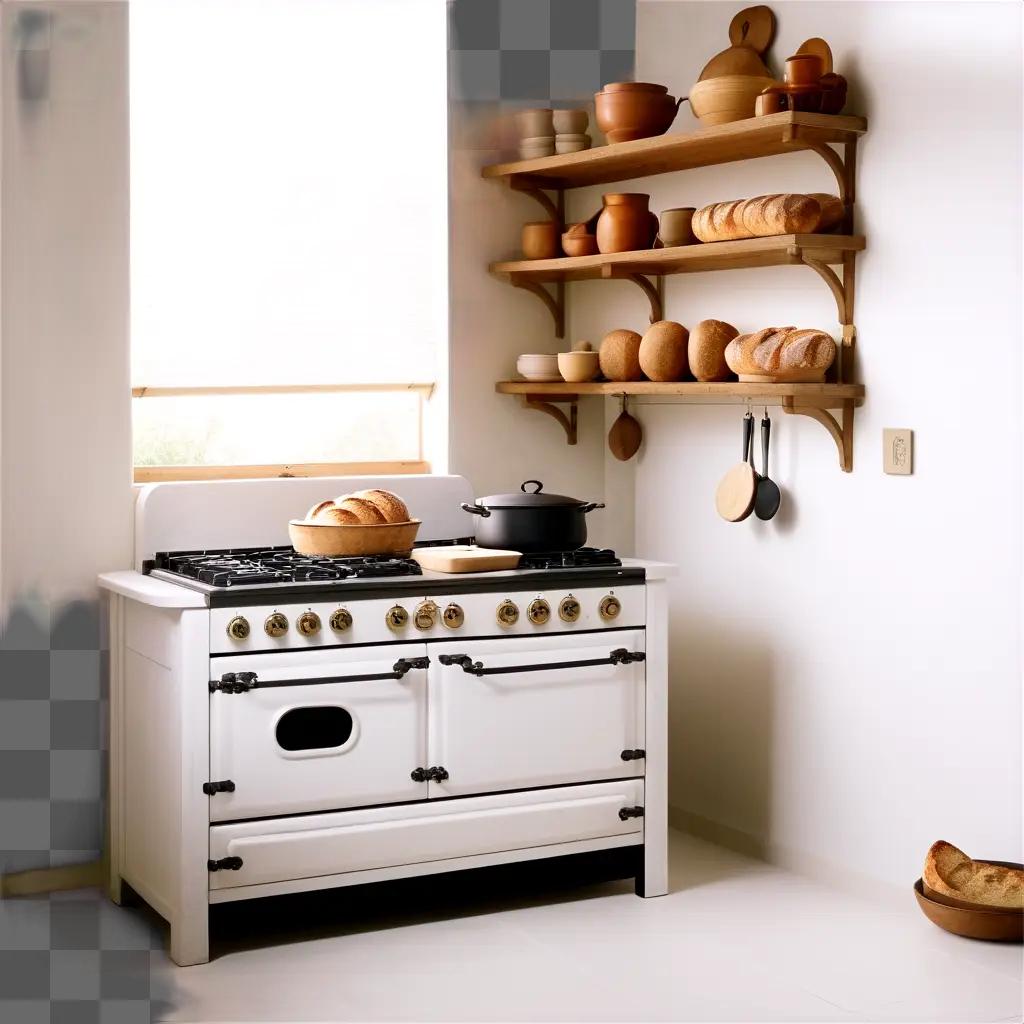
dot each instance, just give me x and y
(190, 939)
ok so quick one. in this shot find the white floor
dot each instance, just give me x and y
(736, 940)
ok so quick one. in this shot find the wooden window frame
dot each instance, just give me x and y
(163, 474)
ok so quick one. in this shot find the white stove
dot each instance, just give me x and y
(281, 724)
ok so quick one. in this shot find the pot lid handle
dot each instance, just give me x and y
(540, 486)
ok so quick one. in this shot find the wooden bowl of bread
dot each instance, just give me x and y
(374, 522)
(973, 898)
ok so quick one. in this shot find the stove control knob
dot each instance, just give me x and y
(396, 617)
(539, 611)
(308, 623)
(238, 628)
(453, 616)
(569, 609)
(508, 613)
(425, 615)
(341, 619)
(276, 624)
(609, 607)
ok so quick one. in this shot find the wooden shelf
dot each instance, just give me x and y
(774, 251)
(724, 143)
(812, 400)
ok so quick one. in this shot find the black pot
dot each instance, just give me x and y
(531, 520)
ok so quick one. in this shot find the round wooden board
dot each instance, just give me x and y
(821, 49)
(760, 31)
(734, 498)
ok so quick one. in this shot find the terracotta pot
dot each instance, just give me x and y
(540, 240)
(833, 97)
(640, 113)
(625, 223)
(804, 69)
(579, 245)
(771, 101)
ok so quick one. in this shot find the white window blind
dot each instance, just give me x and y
(289, 226)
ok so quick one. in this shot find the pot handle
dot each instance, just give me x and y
(540, 486)
(590, 506)
(476, 510)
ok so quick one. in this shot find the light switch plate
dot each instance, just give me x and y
(898, 451)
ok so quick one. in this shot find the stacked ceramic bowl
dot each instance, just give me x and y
(571, 130)
(544, 132)
(538, 367)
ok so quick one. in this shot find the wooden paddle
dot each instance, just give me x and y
(734, 498)
(626, 435)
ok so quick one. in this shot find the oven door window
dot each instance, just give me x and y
(314, 745)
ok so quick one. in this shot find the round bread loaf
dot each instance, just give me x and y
(365, 511)
(335, 516)
(782, 354)
(620, 356)
(706, 350)
(390, 505)
(663, 351)
(318, 508)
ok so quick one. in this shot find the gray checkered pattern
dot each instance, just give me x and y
(515, 53)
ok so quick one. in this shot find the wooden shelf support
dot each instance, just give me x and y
(555, 303)
(842, 433)
(843, 167)
(545, 404)
(645, 284)
(554, 208)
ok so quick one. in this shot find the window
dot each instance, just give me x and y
(289, 235)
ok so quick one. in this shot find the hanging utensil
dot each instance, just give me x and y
(734, 498)
(768, 497)
(626, 435)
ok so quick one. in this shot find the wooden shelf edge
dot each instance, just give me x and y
(750, 138)
(815, 393)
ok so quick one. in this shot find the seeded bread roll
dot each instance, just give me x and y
(365, 511)
(708, 341)
(330, 513)
(389, 505)
(951, 873)
(781, 354)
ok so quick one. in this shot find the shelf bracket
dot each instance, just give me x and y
(843, 291)
(645, 284)
(843, 167)
(842, 433)
(567, 422)
(553, 208)
(555, 303)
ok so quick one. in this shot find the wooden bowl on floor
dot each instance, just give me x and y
(331, 541)
(993, 924)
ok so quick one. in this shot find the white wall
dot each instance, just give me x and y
(65, 473)
(846, 679)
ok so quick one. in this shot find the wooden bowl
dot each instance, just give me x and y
(993, 924)
(337, 541)
(579, 245)
(727, 98)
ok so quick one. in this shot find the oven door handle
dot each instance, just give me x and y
(233, 682)
(620, 656)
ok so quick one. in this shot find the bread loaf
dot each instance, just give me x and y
(389, 504)
(781, 354)
(781, 214)
(619, 356)
(706, 349)
(366, 512)
(951, 873)
(319, 507)
(663, 351)
(832, 210)
(331, 514)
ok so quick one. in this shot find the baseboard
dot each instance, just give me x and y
(799, 862)
(41, 880)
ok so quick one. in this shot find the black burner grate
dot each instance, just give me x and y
(581, 558)
(233, 567)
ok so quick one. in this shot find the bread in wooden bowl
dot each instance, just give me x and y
(366, 512)
(334, 515)
(949, 874)
(781, 355)
(320, 506)
(706, 350)
(662, 351)
(389, 504)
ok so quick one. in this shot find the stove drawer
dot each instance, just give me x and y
(347, 841)
(514, 714)
(319, 734)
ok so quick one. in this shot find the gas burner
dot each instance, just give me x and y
(234, 567)
(581, 558)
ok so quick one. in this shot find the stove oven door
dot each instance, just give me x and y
(321, 730)
(518, 713)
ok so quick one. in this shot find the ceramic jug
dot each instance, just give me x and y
(625, 223)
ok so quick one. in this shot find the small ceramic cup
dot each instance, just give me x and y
(541, 240)
(534, 123)
(771, 101)
(570, 122)
(804, 69)
(675, 227)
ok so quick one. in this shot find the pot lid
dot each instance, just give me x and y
(633, 87)
(524, 498)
